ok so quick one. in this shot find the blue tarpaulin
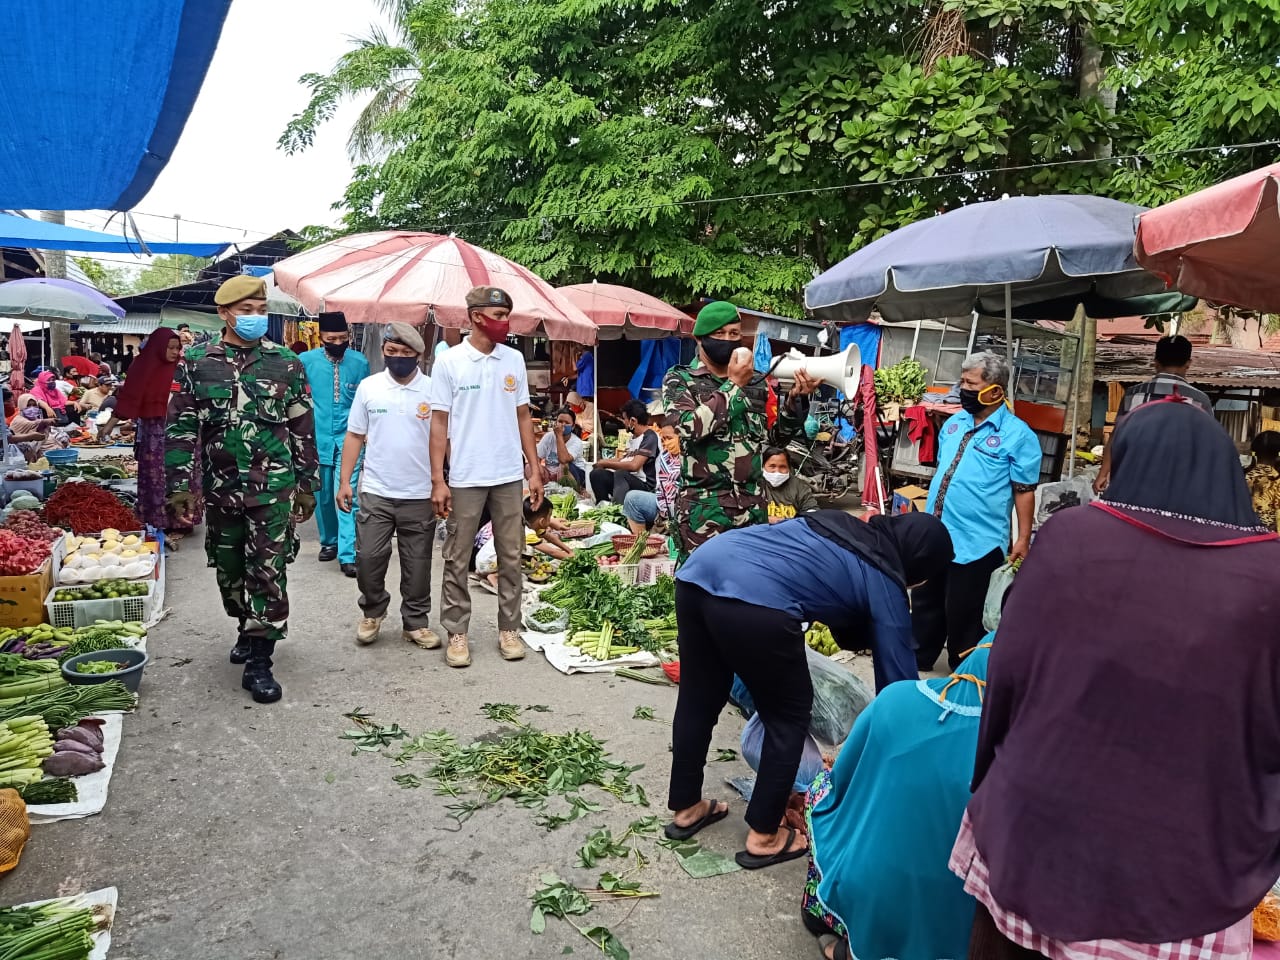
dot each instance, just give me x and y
(38, 235)
(656, 358)
(95, 96)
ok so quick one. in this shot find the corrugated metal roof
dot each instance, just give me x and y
(138, 324)
(1210, 366)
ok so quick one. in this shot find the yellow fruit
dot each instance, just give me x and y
(132, 540)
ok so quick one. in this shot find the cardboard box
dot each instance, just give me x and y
(909, 498)
(22, 598)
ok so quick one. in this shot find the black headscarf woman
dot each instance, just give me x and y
(742, 599)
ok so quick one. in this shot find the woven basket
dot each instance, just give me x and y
(623, 542)
(579, 528)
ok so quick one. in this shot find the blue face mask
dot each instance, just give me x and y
(251, 326)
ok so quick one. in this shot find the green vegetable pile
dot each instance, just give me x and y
(67, 705)
(606, 512)
(58, 930)
(103, 590)
(24, 744)
(53, 790)
(564, 505)
(639, 617)
(905, 382)
(100, 666)
(113, 636)
(545, 614)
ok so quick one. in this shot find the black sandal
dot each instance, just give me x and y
(756, 861)
(676, 832)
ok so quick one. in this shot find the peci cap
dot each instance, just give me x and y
(405, 334)
(716, 314)
(333, 322)
(489, 297)
(240, 288)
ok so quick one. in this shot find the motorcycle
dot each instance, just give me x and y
(830, 465)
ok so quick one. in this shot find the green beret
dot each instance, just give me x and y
(240, 288)
(716, 314)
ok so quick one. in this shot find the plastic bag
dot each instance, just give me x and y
(15, 829)
(810, 760)
(553, 625)
(1052, 497)
(997, 587)
(838, 698)
(487, 558)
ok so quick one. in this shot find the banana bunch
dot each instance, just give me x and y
(819, 638)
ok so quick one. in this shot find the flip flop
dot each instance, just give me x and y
(714, 815)
(840, 946)
(755, 861)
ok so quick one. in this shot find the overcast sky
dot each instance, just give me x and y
(227, 168)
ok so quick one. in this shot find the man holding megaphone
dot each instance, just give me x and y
(719, 411)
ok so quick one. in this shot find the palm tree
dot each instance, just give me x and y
(385, 71)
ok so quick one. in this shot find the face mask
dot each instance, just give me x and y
(775, 479)
(335, 350)
(495, 330)
(672, 446)
(972, 401)
(567, 429)
(251, 326)
(401, 367)
(718, 352)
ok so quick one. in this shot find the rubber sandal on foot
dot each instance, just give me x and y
(714, 815)
(756, 861)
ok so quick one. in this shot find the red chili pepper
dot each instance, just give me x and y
(87, 508)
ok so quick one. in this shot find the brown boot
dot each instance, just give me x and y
(457, 654)
(510, 645)
(423, 637)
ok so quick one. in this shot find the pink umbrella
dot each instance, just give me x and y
(17, 360)
(399, 276)
(624, 312)
(1219, 243)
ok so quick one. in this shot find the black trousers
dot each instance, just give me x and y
(764, 647)
(947, 611)
(614, 485)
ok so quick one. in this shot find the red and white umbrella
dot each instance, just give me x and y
(416, 278)
(1220, 243)
(623, 312)
(17, 361)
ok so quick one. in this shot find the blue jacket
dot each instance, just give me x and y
(331, 413)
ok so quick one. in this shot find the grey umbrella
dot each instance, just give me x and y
(995, 258)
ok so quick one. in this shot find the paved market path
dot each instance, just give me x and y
(244, 832)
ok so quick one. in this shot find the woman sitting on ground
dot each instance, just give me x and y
(826, 566)
(1125, 791)
(883, 819)
(788, 495)
(561, 451)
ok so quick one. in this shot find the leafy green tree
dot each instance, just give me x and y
(113, 281)
(169, 270)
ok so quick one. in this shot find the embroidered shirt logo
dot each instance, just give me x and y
(424, 411)
(993, 441)
(509, 383)
(952, 428)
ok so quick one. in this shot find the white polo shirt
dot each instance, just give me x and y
(481, 393)
(395, 420)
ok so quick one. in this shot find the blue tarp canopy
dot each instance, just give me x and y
(93, 97)
(38, 235)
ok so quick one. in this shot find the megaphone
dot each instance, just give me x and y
(841, 370)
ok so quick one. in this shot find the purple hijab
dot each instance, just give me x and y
(1127, 782)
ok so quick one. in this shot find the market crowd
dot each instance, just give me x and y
(1092, 780)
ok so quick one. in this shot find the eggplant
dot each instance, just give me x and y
(80, 735)
(69, 763)
(75, 746)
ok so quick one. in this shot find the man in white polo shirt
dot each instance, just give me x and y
(480, 418)
(390, 421)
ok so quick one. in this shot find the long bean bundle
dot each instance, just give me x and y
(59, 930)
(69, 704)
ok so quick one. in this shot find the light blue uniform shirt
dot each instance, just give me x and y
(978, 469)
(331, 408)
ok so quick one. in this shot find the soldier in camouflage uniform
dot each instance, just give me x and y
(243, 405)
(720, 417)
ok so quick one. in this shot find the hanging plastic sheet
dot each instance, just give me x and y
(656, 358)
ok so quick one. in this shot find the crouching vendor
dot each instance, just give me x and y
(853, 577)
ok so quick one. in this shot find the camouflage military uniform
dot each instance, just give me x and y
(247, 412)
(722, 430)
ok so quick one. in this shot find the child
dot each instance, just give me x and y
(787, 494)
(540, 536)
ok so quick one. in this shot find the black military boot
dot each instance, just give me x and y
(257, 673)
(240, 652)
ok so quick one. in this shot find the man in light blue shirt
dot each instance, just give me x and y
(333, 373)
(988, 466)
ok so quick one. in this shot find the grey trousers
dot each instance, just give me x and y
(506, 509)
(413, 522)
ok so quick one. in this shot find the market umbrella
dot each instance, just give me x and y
(55, 299)
(423, 278)
(17, 360)
(623, 312)
(1219, 243)
(991, 257)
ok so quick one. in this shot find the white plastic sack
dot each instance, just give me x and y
(487, 558)
(997, 587)
(810, 761)
(838, 698)
(1052, 497)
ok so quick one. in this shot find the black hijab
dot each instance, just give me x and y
(1172, 456)
(909, 549)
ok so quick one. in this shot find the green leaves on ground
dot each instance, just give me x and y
(643, 713)
(601, 843)
(560, 899)
(724, 756)
(368, 736)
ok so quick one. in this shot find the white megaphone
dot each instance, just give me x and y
(841, 370)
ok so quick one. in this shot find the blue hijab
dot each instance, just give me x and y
(881, 837)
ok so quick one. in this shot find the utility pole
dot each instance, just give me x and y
(55, 265)
(177, 223)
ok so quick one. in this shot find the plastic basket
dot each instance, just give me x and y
(650, 570)
(626, 572)
(82, 613)
(623, 542)
(59, 457)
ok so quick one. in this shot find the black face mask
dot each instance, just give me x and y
(401, 367)
(718, 352)
(970, 402)
(335, 350)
